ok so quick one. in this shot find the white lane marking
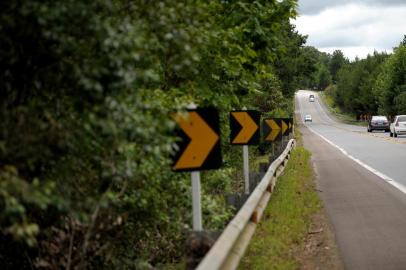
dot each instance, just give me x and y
(389, 180)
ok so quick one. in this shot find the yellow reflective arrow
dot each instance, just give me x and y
(284, 127)
(275, 129)
(290, 125)
(249, 127)
(273, 134)
(202, 140)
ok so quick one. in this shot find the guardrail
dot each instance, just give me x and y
(229, 248)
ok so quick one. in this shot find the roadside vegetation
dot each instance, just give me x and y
(86, 141)
(287, 218)
(370, 86)
(337, 111)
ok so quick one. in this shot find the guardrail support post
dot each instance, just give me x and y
(254, 217)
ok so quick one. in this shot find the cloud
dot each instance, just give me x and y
(355, 51)
(311, 7)
(351, 26)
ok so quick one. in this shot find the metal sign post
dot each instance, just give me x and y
(199, 149)
(273, 150)
(282, 141)
(246, 169)
(284, 130)
(246, 164)
(196, 202)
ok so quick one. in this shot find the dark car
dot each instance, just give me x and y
(378, 122)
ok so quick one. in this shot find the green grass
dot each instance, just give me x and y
(286, 219)
(337, 112)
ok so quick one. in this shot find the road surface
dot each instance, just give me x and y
(361, 178)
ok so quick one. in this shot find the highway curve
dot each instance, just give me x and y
(361, 179)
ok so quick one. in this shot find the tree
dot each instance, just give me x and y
(288, 60)
(400, 102)
(307, 64)
(355, 82)
(337, 61)
(403, 42)
(323, 77)
(391, 83)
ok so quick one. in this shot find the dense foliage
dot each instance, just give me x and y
(390, 85)
(374, 85)
(315, 67)
(85, 140)
(355, 84)
(336, 63)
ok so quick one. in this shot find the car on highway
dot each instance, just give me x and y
(378, 122)
(311, 98)
(308, 118)
(398, 126)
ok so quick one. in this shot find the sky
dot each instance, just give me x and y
(356, 27)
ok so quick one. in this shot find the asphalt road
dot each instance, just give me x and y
(361, 179)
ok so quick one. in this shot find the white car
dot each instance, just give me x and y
(308, 118)
(398, 126)
(311, 98)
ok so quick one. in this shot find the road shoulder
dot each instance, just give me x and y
(320, 250)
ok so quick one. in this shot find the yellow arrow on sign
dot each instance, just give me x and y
(249, 127)
(275, 130)
(284, 127)
(202, 140)
(290, 125)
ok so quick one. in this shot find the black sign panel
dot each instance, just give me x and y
(272, 129)
(199, 147)
(245, 127)
(285, 126)
(290, 125)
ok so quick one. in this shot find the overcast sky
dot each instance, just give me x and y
(357, 27)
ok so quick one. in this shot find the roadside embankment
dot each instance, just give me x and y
(294, 232)
(328, 100)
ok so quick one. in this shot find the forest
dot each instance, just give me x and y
(370, 86)
(86, 137)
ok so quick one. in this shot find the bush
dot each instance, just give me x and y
(85, 138)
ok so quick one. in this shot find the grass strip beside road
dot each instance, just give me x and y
(287, 218)
(335, 110)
